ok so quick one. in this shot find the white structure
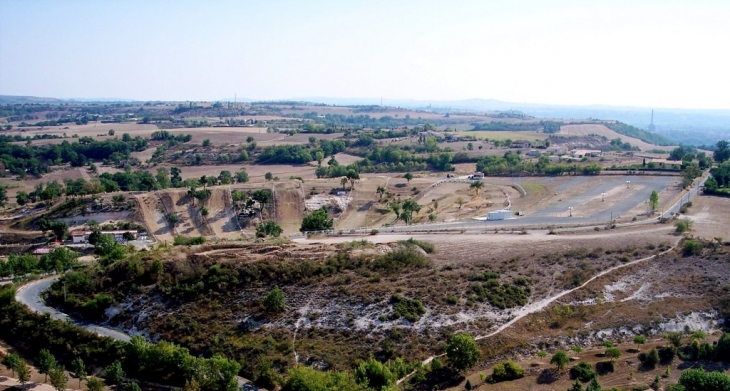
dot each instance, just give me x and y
(502, 214)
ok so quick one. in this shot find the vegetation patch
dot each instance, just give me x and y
(411, 309)
(181, 240)
(501, 295)
(425, 246)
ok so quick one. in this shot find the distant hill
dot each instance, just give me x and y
(643, 135)
(15, 99)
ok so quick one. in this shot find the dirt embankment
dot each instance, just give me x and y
(289, 206)
(151, 212)
(221, 218)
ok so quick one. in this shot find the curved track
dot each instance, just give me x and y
(31, 293)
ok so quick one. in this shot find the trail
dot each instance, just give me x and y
(542, 304)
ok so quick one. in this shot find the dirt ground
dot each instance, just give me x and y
(602, 130)
(711, 216)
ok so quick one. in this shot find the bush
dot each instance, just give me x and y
(650, 359)
(699, 380)
(274, 301)
(507, 370)
(409, 309)
(269, 228)
(691, 247)
(425, 246)
(583, 372)
(181, 240)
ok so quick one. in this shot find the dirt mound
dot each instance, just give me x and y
(151, 212)
(221, 218)
(289, 206)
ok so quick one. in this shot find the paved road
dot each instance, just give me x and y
(546, 217)
(30, 295)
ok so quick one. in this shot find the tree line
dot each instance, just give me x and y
(34, 160)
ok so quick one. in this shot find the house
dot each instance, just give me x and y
(520, 144)
(581, 153)
(533, 153)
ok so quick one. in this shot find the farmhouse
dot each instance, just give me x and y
(83, 236)
(581, 153)
(521, 144)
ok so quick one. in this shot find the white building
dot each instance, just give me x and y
(503, 214)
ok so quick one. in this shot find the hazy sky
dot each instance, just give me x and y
(640, 53)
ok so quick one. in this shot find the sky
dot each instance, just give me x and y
(626, 53)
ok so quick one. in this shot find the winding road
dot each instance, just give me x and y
(31, 293)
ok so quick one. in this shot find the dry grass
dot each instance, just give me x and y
(602, 130)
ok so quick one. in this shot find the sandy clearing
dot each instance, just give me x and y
(711, 217)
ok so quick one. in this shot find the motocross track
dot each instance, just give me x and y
(220, 223)
(289, 206)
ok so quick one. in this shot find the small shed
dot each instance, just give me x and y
(502, 214)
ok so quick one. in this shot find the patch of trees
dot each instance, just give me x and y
(643, 135)
(318, 220)
(513, 126)
(619, 145)
(164, 135)
(501, 295)
(15, 138)
(35, 160)
(59, 260)
(331, 121)
(410, 309)
(297, 154)
(512, 164)
(719, 182)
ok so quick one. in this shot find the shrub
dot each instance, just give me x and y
(698, 379)
(181, 240)
(374, 374)
(406, 308)
(425, 246)
(274, 301)
(691, 247)
(681, 226)
(269, 228)
(650, 359)
(507, 370)
(583, 372)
